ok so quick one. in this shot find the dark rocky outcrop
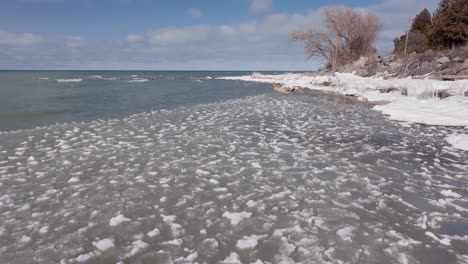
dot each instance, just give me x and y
(429, 64)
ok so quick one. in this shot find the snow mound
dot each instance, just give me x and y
(459, 141)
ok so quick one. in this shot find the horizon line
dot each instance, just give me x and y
(249, 70)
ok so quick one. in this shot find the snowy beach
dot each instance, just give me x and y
(410, 100)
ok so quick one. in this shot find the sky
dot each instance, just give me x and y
(176, 34)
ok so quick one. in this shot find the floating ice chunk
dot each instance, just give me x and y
(24, 208)
(233, 258)
(25, 239)
(73, 180)
(32, 161)
(154, 232)
(85, 257)
(176, 230)
(251, 203)
(169, 218)
(450, 193)
(280, 195)
(422, 221)
(138, 246)
(346, 233)
(174, 242)
(202, 172)
(444, 241)
(117, 220)
(104, 244)
(248, 242)
(213, 181)
(44, 230)
(188, 259)
(459, 141)
(236, 218)
(256, 165)
(209, 248)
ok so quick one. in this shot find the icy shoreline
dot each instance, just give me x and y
(410, 100)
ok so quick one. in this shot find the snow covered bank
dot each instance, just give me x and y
(412, 100)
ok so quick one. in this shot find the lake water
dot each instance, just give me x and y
(37, 98)
(196, 170)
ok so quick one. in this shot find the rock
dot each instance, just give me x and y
(444, 66)
(390, 58)
(457, 59)
(361, 72)
(380, 102)
(443, 60)
(463, 72)
(394, 66)
(282, 89)
(341, 99)
(388, 89)
(423, 69)
(362, 99)
(209, 248)
(404, 91)
(449, 71)
(442, 94)
(299, 89)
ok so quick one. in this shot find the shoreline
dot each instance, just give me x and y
(418, 101)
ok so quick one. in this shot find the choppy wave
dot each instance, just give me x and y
(68, 80)
(138, 80)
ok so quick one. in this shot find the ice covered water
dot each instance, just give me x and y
(263, 179)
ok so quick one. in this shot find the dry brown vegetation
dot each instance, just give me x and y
(349, 34)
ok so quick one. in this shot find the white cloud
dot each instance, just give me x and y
(194, 13)
(75, 42)
(19, 39)
(135, 38)
(185, 35)
(259, 6)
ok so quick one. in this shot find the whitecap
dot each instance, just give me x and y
(68, 80)
(138, 80)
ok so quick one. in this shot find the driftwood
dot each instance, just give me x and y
(454, 77)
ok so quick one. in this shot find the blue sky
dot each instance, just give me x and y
(180, 35)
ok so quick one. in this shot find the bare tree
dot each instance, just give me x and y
(350, 34)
